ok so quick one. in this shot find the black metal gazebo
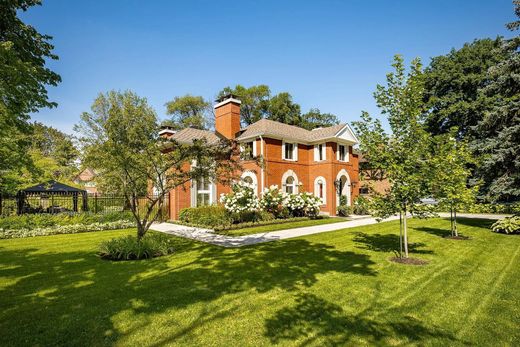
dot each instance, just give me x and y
(58, 197)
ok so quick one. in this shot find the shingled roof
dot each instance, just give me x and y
(187, 135)
(270, 128)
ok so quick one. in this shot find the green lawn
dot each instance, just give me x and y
(335, 288)
(281, 226)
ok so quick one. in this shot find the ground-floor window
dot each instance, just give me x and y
(203, 192)
(320, 189)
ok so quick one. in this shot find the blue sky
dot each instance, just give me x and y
(327, 54)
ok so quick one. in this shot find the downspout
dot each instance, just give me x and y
(262, 165)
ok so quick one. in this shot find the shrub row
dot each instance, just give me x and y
(129, 248)
(33, 221)
(508, 225)
(247, 224)
(64, 229)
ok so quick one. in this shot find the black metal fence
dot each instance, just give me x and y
(75, 203)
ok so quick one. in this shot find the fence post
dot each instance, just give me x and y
(95, 203)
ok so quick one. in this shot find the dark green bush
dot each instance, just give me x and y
(128, 248)
(508, 225)
(33, 221)
(211, 216)
(361, 206)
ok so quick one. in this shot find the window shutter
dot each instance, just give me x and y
(337, 151)
(254, 148)
(283, 150)
(316, 154)
(295, 151)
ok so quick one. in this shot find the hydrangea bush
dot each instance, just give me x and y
(303, 204)
(273, 200)
(241, 199)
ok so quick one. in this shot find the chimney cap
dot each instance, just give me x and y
(226, 97)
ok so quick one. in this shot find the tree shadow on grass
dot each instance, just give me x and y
(387, 243)
(75, 298)
(435, 231)
(475, 222)
(313, 320)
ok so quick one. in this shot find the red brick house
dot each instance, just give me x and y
(295, 159)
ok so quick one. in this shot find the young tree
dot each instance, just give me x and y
(315, 119)
(23, 81)
(122, 144)
(401, 154)
(255, 101)
(449, 175)
(189, 111)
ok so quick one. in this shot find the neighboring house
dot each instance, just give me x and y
(320, 161)
(86, 178)
(371, 180)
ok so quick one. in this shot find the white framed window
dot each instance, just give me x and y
(248, 150)
(249, 177)
(320, 153)
(289, 151)
(204, 192)
(290, 182)
(342, 153)
(320, 189)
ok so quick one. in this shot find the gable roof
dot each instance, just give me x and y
(270, 128)
(186, 136)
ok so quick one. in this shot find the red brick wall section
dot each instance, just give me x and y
(227, 119)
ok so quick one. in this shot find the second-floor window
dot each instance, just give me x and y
(248, 150)
(290, 151)
(319, 152)
(342, 153)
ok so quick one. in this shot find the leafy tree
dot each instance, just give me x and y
(23, 81)
(189, 111)
(401, 154)
(255, 101)
(315, 119)
(452, 85)
(121, 142)
(449, 175)
(283, 109)
(499, 128)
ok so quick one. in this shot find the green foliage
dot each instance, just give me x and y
(344, 210)
(210, 216)
(508, 225)
(23, 82)
(189, 111)
(33, 221)
(64, 229)
(255, 101)
(315, 119)
(361, 206)
(131, 248)
(283, 109)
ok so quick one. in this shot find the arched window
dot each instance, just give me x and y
(249, 177)
(290, 182)
(320, 189)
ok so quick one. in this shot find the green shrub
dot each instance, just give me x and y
(211, 216)
(344, 210)
(508, 225)
(361, 206)
(129, 248)
(33, 221)
(64, 229)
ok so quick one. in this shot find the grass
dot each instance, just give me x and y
(281, 226)
(336, 288)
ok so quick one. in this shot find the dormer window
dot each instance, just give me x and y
(342, 153)
(247, 150)
(289, 151)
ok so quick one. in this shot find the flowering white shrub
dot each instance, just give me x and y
(241, 199)
(303, 204)
(273, 200)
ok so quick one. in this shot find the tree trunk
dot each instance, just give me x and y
(405, 236)
(451, 221)
(400, 234)
(455, 223)
(141, 231)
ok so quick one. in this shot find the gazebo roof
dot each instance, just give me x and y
(52, 187)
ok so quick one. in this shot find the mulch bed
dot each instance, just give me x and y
(460, 237)
(409, 261)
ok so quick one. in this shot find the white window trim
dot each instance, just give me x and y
(317, 151)
(347, 154)
(317, 189)
(295, 151)
(242, 147)
(253, 177)
(287, 174)
(196, 192)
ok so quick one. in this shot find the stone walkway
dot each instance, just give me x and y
(209, 236)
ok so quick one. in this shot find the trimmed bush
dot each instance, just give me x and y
(64, 229)
(361, 206)
(508, 225)
(129, 248)
(211, 216)
(250, 224)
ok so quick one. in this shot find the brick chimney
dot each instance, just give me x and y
(227, 116)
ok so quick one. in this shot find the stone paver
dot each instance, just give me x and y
(209, 236)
